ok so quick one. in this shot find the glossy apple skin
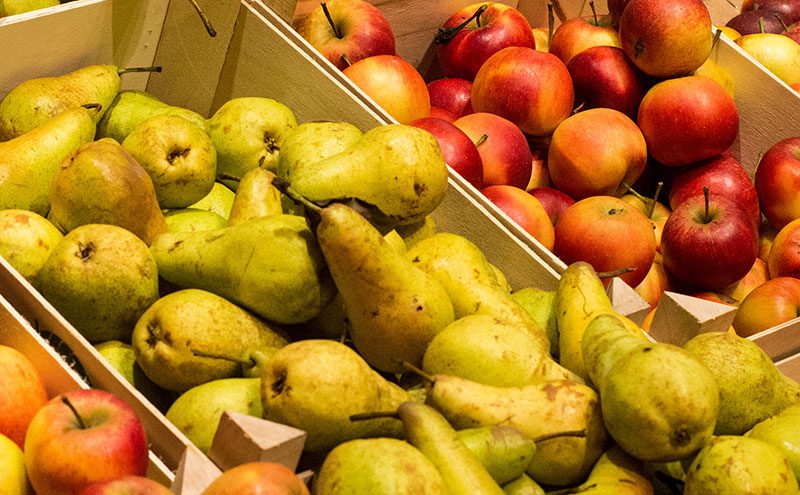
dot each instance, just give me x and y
(452, 94)
(500, 26)
(723, 175)
(687, 119)
(505, 153)
(777, 181)
(22, 393)
(788, 9)
(530, 88)
(126, 485)
(594, 152)
(778, 53)
(666, 39)
(364, 31)
(709, 255)
(655, 283)
(394, 84)
(525, 210)
(602, 76)
(793, 32)
(441, 113)
(748, 22)
(784, 255)
(579, 33)
(62, 458)
(555, 202)
(609, 234)
(258, 478)
(757, 275)
(458, 149)
(774, 302)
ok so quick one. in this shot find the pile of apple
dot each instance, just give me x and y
(569, 133)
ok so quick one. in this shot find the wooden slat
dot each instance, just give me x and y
(136, 30)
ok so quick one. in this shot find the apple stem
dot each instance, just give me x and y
(652, 206)
(481, 140)
(615, 273)
(717, 35)
(635, 192)
(227, 176)
(780, 19)
(761, 24)
(203, 354)
(203, 17)
(68, 402)
(705, 196)
(445, 35)
(559, 434)
(285, 187)
(417, 371)
(127, 70)
(373, 415)
(551, 20)
(346, 60)
(330, 20)
(594, 13)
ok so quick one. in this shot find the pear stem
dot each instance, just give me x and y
(705, 197)
(203, 17)
(128, 70)
(445, 35)
(346, 60)
(330, 20)
(373, 415)
(563, 434)
(551, 20)
(417, 371)
(227, 176)
(78, 417)
(652, 206)
(232, 359)
(594, 13)
(615, 273)
(285, 187)
(481, 140)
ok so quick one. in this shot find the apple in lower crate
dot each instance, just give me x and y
(784, 255)
(777, 181)
(505, 153)
(774, 302)
(525, 210)
(532, 89)
(709, 246)
(778, 53)
(452, 94)
(97, 438)
(609, 234)
(723, 175)
(580, 33)
(555, 202)
(459, 151)
(596, 152)
(462, 52)
(752, 22)
(394, 84)
(126, 485)
(687, 119)
(356, 29)
(22, 393)
(257, 478)
(757, 275)
(602, 76)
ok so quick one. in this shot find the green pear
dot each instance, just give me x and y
(782, 431)
(101, 278)
(29, 162)
(523, 485)
(26, 241)
(177, 155)
(122, 358)
(198, 410)
(270, 265)
(14, 7)
(537, 410)
(377, 466)
(311, 142)
(184, 338)
(409, 183)
(393, 308)
(417, 231)
(659, 403)
(219, 201)
(751, 388)
(617, 473)
(316, 385)
(193, 220)
(131, 108)
(255, 197)
(541, 306)
(35, 101)
(122, 193)
(503, 450)
(734, 465)
(249, 133)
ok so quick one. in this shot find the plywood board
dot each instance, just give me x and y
(136, 30)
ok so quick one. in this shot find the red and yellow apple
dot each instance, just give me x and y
(757, 275)
(752, 22)
(542, 37)
(777, 181)
(126, 485)
(451, 94)
(525, 210)
(457, 148)
(540, 175)
(555, 202)
(22, 394)
(784, 255)
(774, 302)
(441, 113)
(579, 33)
(656, 211)
(258, 478)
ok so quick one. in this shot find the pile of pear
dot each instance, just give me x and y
(293, 272)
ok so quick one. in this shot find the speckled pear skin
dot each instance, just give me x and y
(130, 108)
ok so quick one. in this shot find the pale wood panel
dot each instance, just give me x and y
(790, 367)
(780, 341)
(136, 30)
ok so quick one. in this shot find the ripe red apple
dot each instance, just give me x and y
(774, 302)
(784, 255)
(687, 119)
(126, 485)
(463, 50)
(458, 149)
(777, 181)
(596, 152)
(81, 437)
(609, 234)
(530, 88)
(602, 76)
(452, 94)
(505, 153)
(722, 174)
(793, 32)
(441, 113)
(394, 84)
(258, 478)
(752, 22)
(555, 202)
(757, 275)
(788, 9)
(579, 33)
(525, 210)
(709, 242)
(22, 393)
(355, 29)
(666, 39)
